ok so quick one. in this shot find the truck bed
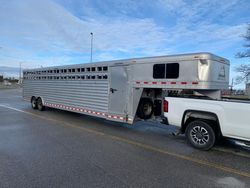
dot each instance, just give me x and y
(233, 115)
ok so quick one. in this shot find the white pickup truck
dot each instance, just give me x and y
(205, 121)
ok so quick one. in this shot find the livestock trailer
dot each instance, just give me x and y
(124, 90)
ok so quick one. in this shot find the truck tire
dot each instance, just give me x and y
(40, 104)
(200, 135)
(33, 103)
(145, 108)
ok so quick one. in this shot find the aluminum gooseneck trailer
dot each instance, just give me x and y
(124, 90)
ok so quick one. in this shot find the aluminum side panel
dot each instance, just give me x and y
(91, 94)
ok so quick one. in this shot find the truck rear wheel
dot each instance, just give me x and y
(145, 108)
(33, 103)
(200, 135)
(40, 104)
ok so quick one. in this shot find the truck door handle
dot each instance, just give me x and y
(112, 90)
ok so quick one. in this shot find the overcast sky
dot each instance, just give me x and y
(56, 32)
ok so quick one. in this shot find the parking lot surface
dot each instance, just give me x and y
(55, 148)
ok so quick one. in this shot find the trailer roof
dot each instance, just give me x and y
(153, 59)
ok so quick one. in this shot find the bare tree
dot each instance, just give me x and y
(244, 69)
(244, 73)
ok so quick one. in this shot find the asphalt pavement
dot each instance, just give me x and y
(55, 148)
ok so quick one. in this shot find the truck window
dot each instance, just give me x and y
(172, 70)
(159, 71)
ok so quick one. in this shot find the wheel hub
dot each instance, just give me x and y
(199, 135)
(147, 109)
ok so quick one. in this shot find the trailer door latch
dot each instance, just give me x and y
(112, 90)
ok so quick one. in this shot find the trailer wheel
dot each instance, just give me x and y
(145, 108)
(200, 135)
(40, 104)
(33, 103)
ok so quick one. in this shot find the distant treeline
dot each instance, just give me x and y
(9, 79)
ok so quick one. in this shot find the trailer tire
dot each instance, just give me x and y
(40, 104)
(33, 102)
(200, 135)
(145, 108)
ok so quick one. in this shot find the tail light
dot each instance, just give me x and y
(165, 105)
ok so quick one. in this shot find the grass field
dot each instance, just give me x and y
(241, 97)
